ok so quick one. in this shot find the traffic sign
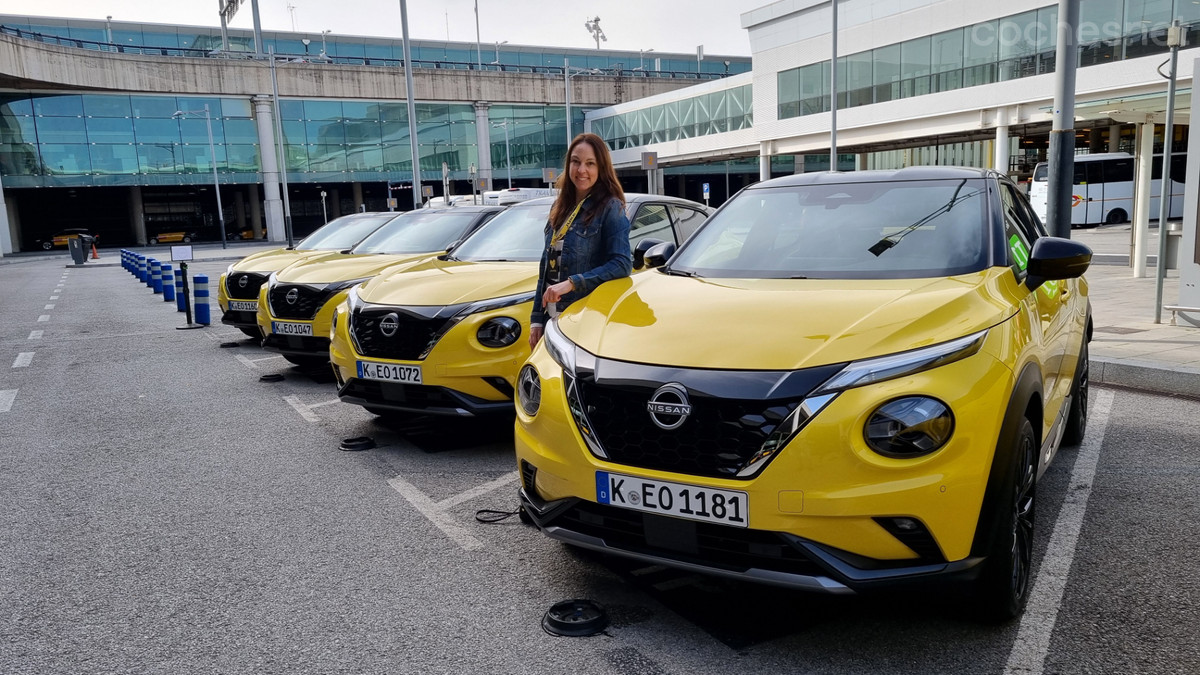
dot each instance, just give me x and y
(706, 192)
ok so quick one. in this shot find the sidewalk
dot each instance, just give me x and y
(1128, 349)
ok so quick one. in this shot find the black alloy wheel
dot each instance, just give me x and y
(1005, 582)
(1077, 415)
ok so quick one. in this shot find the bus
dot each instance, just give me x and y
(1103, 188)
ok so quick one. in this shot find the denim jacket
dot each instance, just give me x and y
(593, 252)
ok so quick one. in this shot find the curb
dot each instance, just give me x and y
(1145, 376)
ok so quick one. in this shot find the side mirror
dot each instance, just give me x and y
(1056, 258)
(639, 252)
(658, 254)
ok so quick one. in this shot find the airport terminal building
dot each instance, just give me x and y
(89, 130)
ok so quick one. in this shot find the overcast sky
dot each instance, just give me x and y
(661, 25)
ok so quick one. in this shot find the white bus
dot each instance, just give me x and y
(516, 195)
(1103, 188)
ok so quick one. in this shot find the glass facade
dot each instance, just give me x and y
(713, 113)
(1017, 46)
(94, 140)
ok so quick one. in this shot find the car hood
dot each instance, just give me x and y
(334, 267)
(781, 324)
(274, 260)
(441, 283)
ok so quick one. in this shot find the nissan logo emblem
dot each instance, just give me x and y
(292, 296)
(389, 323)
(669, 407)
(243, 280)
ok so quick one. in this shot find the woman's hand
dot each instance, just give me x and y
(554, 293)
(535, 336)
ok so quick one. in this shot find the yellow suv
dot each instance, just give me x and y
(296, 303)
(449, 336)
(841, 382)
(237, 289)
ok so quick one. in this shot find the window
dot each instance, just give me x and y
(687, 220)
(651, 221)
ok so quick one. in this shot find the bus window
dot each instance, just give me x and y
(1041, 173)
(1117, 170)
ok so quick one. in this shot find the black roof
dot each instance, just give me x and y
(911, 173)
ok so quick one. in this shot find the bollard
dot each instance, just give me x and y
(200, 293)
(125, 259)
(180, 296)
(156, 283)
(168, 284)
(141, 268)
(150, 265)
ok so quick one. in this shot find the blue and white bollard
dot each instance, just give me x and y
(200, 291)
(180, 296)
(149, 280)
(168, 284)
(156, 276)
(141, 270)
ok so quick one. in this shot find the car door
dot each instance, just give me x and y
(1050, 302)
(651, 220)
(687, 220)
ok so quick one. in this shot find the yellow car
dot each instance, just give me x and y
(237, 289)
(448, 337)
(841, 382)
(171, 238)
(297, 302)
(63, 237)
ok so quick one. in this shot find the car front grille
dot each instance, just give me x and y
(239, 318)
(717, 439)
(235, 288)
(304, 304)
(297, 344)
(414, 335)
(732, 548)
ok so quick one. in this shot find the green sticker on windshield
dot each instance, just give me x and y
(1019, 252)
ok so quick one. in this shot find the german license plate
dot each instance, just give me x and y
(243, 305)
(726, 507)
(389, 372)
(291, 328)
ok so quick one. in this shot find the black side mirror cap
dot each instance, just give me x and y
(1055, 258)
(639, 251)
(659, 254)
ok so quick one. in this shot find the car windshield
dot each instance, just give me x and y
(423, 231)
(518, 234)
(857, 230)
(343, 233)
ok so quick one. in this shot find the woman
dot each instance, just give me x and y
(587, 236)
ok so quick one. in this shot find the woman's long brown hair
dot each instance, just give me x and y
(606, 185)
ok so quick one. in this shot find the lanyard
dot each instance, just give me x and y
(562, 231)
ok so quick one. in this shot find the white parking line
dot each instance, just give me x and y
(299, 407)
(35, 334)
(23, 360)
(435, 515)
(478, 491)
(48, 307)
(54, 297)
(249, 362)
(44, 317)
(7, 396)
(1028, 655)
(318, 405)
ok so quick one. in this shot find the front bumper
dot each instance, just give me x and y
(430, 400)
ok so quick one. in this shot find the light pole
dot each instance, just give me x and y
(324, 213)
(478, 47)
(498, 43)
(212, 151)
(567, 75)
(507, 157)
(641, 58)
(306, 42)
(324, 53)
(1175, 39)
(593, 26)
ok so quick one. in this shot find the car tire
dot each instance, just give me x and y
(47, 245)
(187, 240)
(251, 332)
(1006, 579)
(1077, 415)
(307, 361)
(153, 241)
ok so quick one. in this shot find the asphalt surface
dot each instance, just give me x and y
(165, 511)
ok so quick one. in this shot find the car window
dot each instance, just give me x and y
(515, 234)
(418, 232)
(687, 220)
(650, 221)
(342, 233)
(1019, 234)
(863, 230)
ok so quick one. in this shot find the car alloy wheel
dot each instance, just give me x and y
(1004, 583)
(1076, 425)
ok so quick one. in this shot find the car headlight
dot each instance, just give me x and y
(229, 270)
(493, 303)
(869, 371)
(499, 331)
(561, 349)
(273, 279)
(352, 300)
(343, 285)
(529, 390)
(909, 427)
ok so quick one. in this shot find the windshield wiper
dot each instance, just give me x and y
(678, 273)
(495, 260)
(887, 242)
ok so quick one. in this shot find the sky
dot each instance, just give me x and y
(662, 25)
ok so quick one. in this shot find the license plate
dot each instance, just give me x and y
(243, 305)
(727, 507)
(288, 328)
(389, 372)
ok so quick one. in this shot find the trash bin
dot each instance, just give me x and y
(79, 248)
